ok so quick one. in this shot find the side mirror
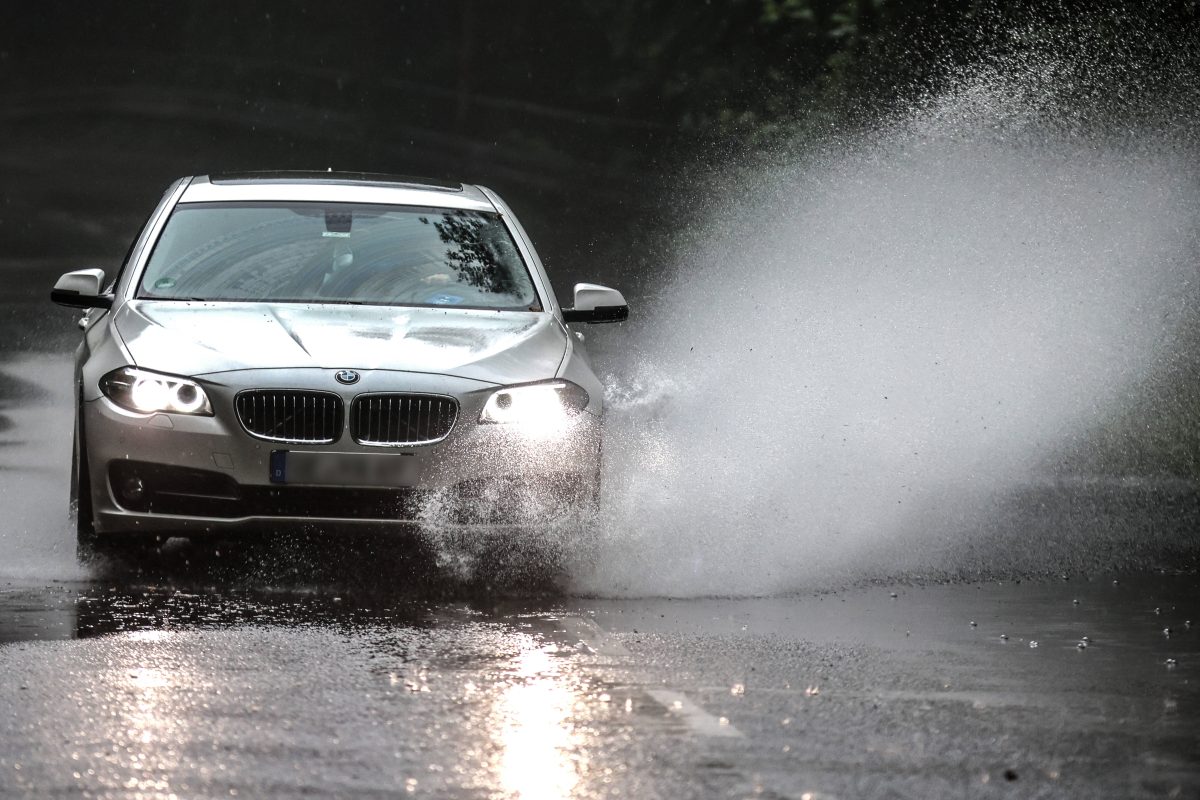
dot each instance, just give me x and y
(595, 303)
(81, 289)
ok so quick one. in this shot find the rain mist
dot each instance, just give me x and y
(871, 340)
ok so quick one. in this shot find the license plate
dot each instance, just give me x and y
(343, 469)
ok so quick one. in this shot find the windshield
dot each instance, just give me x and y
(338, 253)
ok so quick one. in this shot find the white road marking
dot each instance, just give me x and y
(695, 717)
(593, 637)
(602, 643)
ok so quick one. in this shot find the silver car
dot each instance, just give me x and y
(331, 350)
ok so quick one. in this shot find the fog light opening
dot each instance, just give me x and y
(133, 489)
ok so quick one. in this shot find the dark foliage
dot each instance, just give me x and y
(554, 76)
(472, 255)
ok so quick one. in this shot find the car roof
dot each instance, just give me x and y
(334, 187)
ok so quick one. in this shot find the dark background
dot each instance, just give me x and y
(600, 122)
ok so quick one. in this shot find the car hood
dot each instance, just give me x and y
(198, 338)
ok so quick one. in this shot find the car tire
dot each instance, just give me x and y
(593, 500)
(80, 508)
(594, 488)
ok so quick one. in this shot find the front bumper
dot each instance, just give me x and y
(190, 475)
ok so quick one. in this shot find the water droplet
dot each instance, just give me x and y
(1075, 602)
(1082, 645)
(894, 595)
(974, 624)
(1085, 639)
(1004, 637)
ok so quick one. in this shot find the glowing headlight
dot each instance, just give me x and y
(146, 392)
(545, 404)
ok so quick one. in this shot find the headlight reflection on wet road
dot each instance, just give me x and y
(147, 716)
(533, 716)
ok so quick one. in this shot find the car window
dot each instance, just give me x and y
(338, 253)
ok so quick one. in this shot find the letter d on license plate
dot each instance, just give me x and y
(343, 469)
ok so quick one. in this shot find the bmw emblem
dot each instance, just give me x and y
(346, 376)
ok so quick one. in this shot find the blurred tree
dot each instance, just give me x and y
(605, 86)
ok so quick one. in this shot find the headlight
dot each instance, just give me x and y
(546, 404)
(146, 392)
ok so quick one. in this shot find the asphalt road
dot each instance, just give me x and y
(341, 668)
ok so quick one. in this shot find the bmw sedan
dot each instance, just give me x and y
(332, 350)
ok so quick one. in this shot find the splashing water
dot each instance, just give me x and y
(876, 339)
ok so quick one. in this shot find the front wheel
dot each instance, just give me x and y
(80, 508)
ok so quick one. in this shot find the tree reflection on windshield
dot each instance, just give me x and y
(475, 257)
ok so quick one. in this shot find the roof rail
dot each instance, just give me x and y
(360, 178)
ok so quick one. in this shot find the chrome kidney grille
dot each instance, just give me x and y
(402, 419)
(291, 416)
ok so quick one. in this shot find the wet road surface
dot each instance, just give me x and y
(296, 667)
(124, 689)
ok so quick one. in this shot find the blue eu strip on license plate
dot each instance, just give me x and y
(279, 466)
